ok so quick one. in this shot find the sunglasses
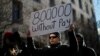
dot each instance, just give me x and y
(52, 37)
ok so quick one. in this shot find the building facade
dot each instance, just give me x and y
(16, 14)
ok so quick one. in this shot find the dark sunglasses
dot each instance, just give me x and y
(52, 37)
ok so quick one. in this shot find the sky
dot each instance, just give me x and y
(97, 9)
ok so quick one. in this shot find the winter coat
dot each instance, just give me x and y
(86, 51)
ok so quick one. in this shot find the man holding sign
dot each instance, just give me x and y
(54, 19)
(55, 48)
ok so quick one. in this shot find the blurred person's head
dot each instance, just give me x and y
(54, 38)
(7, 38)
(12, 42)
(80, 39)
(11, 38)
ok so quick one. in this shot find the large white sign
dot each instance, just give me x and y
(54, 19)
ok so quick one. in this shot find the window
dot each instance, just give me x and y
(74, 15)
(82, 19)
(39, 1)
(89, 23)
(35, 9)
(62, 2)
(87, 10)
(16, 11)
(80, 4)
(93, 16)
(91, 1)
(72, 1)
(52, 3)
(1, 12)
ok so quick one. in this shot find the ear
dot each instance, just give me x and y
(58, 38)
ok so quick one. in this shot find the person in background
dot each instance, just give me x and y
(83, 49)
(6, 43)
(19, 44)
(13, 45)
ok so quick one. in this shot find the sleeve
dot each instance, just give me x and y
(92, 52)
(73, 41)
(30, 46)
(31, 49)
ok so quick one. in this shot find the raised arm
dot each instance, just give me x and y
(72, 39)
(31, 48)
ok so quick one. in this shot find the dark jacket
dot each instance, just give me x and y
(86, 51)
(56, 50)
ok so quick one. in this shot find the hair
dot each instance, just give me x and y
(81, 37)
(7, 35)
(55, 33)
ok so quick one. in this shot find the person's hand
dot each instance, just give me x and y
(72, 27)
(28, 34)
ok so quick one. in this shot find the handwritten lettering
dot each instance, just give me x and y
(57, 18)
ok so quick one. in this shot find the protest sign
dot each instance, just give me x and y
(53, 19)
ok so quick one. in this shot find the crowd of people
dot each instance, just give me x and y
(14, 46)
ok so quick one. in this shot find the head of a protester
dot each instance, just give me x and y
(80, 39)
(11, 40)
(7, 38)
(54, 38)
(16, 43)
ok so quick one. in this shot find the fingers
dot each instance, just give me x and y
(28, 34)
(72, 27)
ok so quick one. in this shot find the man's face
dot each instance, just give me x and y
(53, 39)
